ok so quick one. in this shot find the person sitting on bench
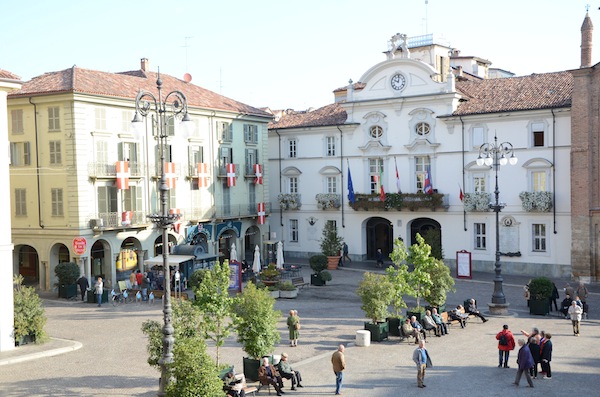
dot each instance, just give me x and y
(234, 384)
(418, 327)
(430, 324)
(472, 309)
(456, 314)
(286, 371)
(268, 375)
(438, 320)
(407, 330)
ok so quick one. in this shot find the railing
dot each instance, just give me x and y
(222, 170)
(400, 201)
(290, 201)
(249, 170)
(111, 220)
(99, 169)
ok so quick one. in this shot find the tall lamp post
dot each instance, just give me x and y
(174, 104)
(497, 154)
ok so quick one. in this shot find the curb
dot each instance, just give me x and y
(48, 353)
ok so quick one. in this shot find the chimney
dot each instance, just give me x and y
(145, 64)
(586, 41)
(459, 71)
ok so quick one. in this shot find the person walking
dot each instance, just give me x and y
(546, 354)
(582, 293)
(379, 257)
(345, 252)
(524, 362)
(293, 324)
(423, 361)
(99, 289)
(83, 285)
(339, 365)
(506, 343)
(575, 312)
(554, 297)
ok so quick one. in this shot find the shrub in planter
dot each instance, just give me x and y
(67, 274)
(29, 316)
(375, 292)
(318, 264)
(331, 245)
(540, 291)
(287, 290)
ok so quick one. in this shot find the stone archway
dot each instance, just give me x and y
(225, 240)
(379, 234)
(29, 263)
(100, 259)
(251, 240)
(430, 230)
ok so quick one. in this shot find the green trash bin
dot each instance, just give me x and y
(91, 296)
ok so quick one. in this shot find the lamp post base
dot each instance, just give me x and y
(498, 309)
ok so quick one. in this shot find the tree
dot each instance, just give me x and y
(398, 276)
(214, 303)
(442, 284)
(331, 242)
(419, 279)
(375, 292)
(29, 315)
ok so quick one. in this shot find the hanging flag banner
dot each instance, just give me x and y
(397, 177)
(170, 175)
(381, 189)
(351, 197)
(202, 174)
(230, 175)
(258, 173)
(428, 186)
(123, 175)
(461, 195)
(261, 213)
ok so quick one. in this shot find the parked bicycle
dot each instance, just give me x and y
(119, 297)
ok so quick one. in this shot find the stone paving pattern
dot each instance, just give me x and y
(102, 351)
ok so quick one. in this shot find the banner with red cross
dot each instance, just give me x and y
(258, 173)
(230, 175)
(170, 175)
(261, 213)
(123, 175)
(202, 174)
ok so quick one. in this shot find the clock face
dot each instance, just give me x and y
(398, 82)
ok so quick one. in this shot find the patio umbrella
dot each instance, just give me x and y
(280, 255)
(256, 263)
(233, 253)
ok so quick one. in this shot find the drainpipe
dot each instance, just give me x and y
(342, 174)
(554, 169)
(37, 165)
(463, 169)
(280, 210)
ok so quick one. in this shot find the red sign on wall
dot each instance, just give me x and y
(79, 245)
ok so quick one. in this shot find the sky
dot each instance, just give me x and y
(286, 54)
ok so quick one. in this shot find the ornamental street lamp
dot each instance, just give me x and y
(497, 154)
(173, 105)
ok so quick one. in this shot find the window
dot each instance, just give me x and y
(538, 181)
(250, 133)
(294, 235)
(195, 156)
(375, 173)
(57, 202)
(251, 159)
(132, 198)
(20, 202)
(331, 184)
(107, 199)
(16, 117)
(226, 191)
(537, 132)
(293, 184)
(224, 131)
(126, 117)
(421, 166)
(539, 237)
(333, 224)
(330, 146)
(479, 184)
(20, 153)
(480, 236)
(478, 136)
(100, 119)
(54, 118)
(292, 147)
(226, 157)
(128, 151)
(376, 131)
(422, 129)
(55, 153)
(252, 198)
(170, 125)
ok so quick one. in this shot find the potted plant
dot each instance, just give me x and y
(397, 275)
(331, 245)
(441, 283)
(271, 275)
(29, 316)
(274, 290)
(376, 292)
(255, 322)
(287, 290)
(318, 264)
(540, 291)
(419, 280)
(67, 274)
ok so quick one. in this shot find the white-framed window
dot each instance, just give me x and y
(479, 183)
(16, 121)
(107, 199)
(539, 180)
(133, 199)
(538, 134)
(100, 119)
(126, 117)
(250, 133)
(375, 174)
(57, 201)
(224, 131)
(376, 131)
(55, 153)
(477, 136)
(422, 163)
(292, 148)
(20, 202)
(422, 128)
(538, 234)
(330, 146)
(480, 236)
(331, 184)
(54, 118)
(293, 184)
(251, 159)
(20, 153)
(333, 223)
(252, 198)
(294, 232)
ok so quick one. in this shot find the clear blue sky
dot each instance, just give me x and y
(282, 54)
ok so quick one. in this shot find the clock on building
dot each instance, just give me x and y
(398, 82)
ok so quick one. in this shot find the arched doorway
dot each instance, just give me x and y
(127, 260)
(431, 231)
(251, 240)
(225, 240)
(158, 244)
(380, 234)
(28, 264)
(100, 259)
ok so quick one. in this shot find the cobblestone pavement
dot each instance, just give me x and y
(102, 351)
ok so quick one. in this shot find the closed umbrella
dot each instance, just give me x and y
(280, 255)
(233, 253)
(256, 263)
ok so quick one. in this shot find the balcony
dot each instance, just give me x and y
(477, 202)
(244, 210)
(327, 201)
(99, 169)
(289, 201)
(400, 202)
(249, 170)
(222, 170)
(536, 201)
(114, 220)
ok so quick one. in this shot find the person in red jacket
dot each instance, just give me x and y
(506, 343)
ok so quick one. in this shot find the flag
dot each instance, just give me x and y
(170, 175)
(126, 218)
(428, 186)
(202, 174)
(258, 173)
(351, 197)
(261, 213)
(381, 190)
(461, 195)
(122, 175)
(397, 177)
(230, 175)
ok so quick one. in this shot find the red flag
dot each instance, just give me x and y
(230, 175)
(428, 186)
(202, 174)
(126, 218)
(461, 196)
(122, 175)
(261, 213)
(258, 172)
(381, 190)
(170, 175)
(397, 177)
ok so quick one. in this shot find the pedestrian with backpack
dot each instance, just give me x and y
(506, 343)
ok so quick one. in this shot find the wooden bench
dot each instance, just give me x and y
(446, 318)
(299, 282)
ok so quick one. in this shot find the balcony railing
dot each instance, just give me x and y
(222, 170)
(289, 201)
(249, 170)
(536, 201)
(400, 201)
(111, 220)
(99, 169)
(477, 202)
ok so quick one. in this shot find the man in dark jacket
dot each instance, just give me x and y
(83, 285)
(525, 362)
(546, 354)
(472, 309)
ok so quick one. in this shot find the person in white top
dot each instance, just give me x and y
(575, 313)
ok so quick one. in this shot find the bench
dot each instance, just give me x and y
(448, 321)
(299, 282)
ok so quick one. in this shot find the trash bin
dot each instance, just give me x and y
(91, 296)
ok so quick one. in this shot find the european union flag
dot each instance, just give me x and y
(351, 197)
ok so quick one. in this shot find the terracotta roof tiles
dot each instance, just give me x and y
(5, 74)
(326, 116)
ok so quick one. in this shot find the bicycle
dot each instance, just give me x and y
(118, 298)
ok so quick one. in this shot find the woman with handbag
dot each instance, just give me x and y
(293, 323)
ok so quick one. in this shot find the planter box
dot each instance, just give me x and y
(332, 262)
(251, 368)
(394, 325)
(418, 315)
(379, 331)
(91, 296)
(25, 340)
(274, 294)
(67, 291)
(540, 307)
(316, 280)
(440, 309)
(289, 294)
